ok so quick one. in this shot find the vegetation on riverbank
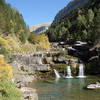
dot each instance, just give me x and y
(8, 90)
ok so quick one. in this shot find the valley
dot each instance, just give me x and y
(51, 61)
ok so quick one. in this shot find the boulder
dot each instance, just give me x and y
(94, 86)
(29, 93)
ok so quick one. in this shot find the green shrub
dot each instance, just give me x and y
(8, 91)
(63, 52)
(3, 51)
(22, 68)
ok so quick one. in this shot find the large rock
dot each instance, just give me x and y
(60, 60)
(83, 50)
(94, 86)
(93, 67)
(29, 93)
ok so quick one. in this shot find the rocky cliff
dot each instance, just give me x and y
(40, 28)
(71, 6)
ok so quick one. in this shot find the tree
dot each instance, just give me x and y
(90, 16)
(96, 34)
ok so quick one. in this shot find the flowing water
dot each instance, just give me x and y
(66, 89)
(69, 75)
(56, 73)
(81, 71)
(39, 61)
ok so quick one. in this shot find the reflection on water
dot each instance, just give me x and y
(66, 89)
(81, 82)
(56, 80)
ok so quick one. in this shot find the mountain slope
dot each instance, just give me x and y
(40, 28)
(14, 33)
(71, 6)
(12, 22)
(81, 24)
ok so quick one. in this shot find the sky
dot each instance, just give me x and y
(38, 11)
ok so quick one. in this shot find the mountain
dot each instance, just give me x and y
(82, 24)
(40, 28)
(71, 6)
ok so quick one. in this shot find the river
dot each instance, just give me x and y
(66, 89)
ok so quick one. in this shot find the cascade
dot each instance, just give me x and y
(69, 72)
(56, 73)
(81, 71)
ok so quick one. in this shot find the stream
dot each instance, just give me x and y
(66, 89)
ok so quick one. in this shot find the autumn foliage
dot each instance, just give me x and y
(5, 69)
(41, 40)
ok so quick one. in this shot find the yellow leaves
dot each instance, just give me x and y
(9, 43)
(4, 43)
(5, 69)
(12, 42)
(41, 40)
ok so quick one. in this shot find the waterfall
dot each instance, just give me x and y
(39, 60)
(56, 73)
(69, 72)
(81, 71)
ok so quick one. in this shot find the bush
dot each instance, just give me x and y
(41, 40)
(22, 68)
(63, 52)
(3, 51)
(9, 91)
(5, 70)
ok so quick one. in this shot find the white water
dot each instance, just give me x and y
(81, 71)
(69, 72)
(57, 74)
(39, 60)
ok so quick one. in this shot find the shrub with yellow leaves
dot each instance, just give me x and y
(41, 40)
(5, 69)
(8, 43)
(3, 42)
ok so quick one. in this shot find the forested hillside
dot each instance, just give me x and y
(67, 9)
(14, 33)
(11, 22)
(81, 24)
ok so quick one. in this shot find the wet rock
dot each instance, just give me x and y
(60, 60)
(83, 50)
(94, 86)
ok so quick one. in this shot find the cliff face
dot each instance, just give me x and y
(40, 28)
(71, 6)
